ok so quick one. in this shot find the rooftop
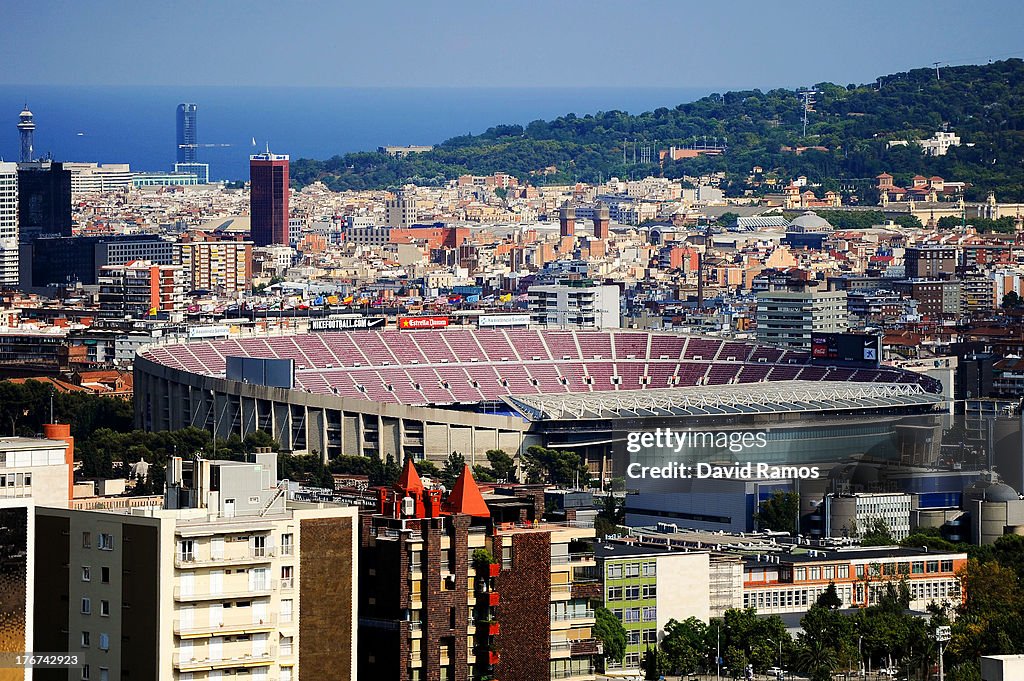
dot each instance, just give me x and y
(735, 399)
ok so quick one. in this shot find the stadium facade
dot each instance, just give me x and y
(427, 393)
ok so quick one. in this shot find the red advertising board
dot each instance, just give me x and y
(422, 322)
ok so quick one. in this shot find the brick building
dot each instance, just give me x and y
(464, 588)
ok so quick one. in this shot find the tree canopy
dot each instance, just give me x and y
(846, 145)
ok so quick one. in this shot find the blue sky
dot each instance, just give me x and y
(460, 43)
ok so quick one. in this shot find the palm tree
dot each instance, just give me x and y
(817, 657)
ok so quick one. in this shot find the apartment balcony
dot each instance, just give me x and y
(586, 589)
(235, 592)
(250, 626)
(192, 663)
(586, 646)
(190, 560)
(568, 620)
(561, 592)
(574, 559)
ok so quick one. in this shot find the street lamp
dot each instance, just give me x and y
(780, 654)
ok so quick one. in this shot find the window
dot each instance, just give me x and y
(947, 566)
(631, 615)
(801, 574)
(632, 570)
(186, 550)
(106, 542)
(632, 592)
(615, 593)
(933, 566)
(286, 610)
(104, 642)
(650, 636)
(85, 639)
(650, 614)
(287, 544)
(86, 573)
(87, 540)
(105, 575)
(650, 590)
(104, 674)
(614, 572)
(650, 569)
(104, 608)
(286, 576)
(85, 672)
(633, 637)
(860, 571)
(86, 606)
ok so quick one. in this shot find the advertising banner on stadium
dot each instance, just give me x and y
(490, 320)
(422, 322)
(345, 323)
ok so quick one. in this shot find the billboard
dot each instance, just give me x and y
(856, 348)
(275, 373)
(491, 320)
(342, 323)
(422, 322)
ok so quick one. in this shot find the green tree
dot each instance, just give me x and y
(877, 533)
(779, 512)
(829, 598)
(555, 467)
(503, 466)
(610, 632)
(427, 468)
(685, 645)
(728, 219)
(452, 469)
(1011, 301)
(654, 663)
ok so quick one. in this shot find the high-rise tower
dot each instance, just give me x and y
(187, 138)
(27, 129)
(9, 224)
(268, 198)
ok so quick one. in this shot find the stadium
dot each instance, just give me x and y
(427, 393)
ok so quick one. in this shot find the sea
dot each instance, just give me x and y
(136, 125)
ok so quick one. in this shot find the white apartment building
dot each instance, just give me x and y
(575, 304)
(95, 178)
(788, 318)
(227, 580)
(8, 225)
(851, 515)
(939, 143)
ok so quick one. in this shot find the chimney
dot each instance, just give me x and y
(62, 431)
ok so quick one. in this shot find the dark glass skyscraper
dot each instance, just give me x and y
(187, 138)
(44, 200)
(268, 198)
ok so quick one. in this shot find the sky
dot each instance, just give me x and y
(484, 43)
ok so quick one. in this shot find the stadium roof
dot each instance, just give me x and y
(776, 397)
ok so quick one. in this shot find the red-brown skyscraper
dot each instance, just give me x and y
(268, 198)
